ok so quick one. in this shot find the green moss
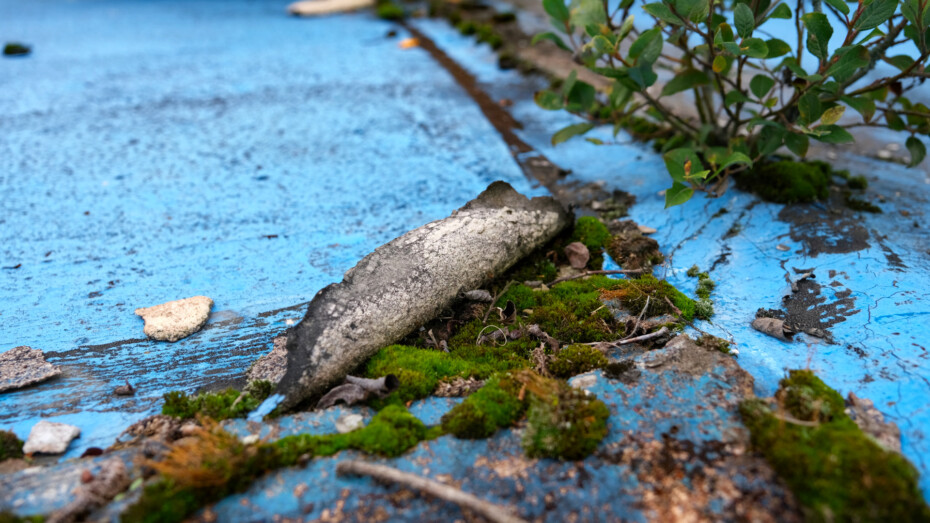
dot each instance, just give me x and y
(390, 11)
(575, 359)
(566, 425)
(703, 309)
(9, 517)
(421, 370)
(712, 342)
(857, 182)
(226, 404)
(591, 232)
(705, 287)
(788, 181)
(836, 472)
(494, 406)
(693, 271)
(487, 34)
(857, 204)
(233, 466)
(503, 18)
(16, 49)
(11, 447)
(633, 295)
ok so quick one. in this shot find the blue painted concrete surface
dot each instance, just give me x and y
(880, 349)
(155, 150)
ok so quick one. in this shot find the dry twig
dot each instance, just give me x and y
(489, 511)
(494, 300)
(592, 273)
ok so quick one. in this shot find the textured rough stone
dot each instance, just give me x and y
(23, 366)
(322, 7)
(48, 437)
(271, 366)
(349, 422)
(177, 319)
(873, 423)
(407, 282)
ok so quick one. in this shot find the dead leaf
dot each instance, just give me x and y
(773, 327)
(356, 390)
(578, 255)
(782, 247)
(408, 43)
(479, 295)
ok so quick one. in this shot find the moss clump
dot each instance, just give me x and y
(705, 287)
(575, 359)
(494, 406)
(214, 463)
(591, 232)
(704, 309)
(390, 11)
(857, 204)
(9, 517)
(712, 342)
(693, 271)
(633, 294)
(567, 424)
(16, 49)
(857, 182)
(226, 404)
(11, 447)
(836, 472)
(787, 181)
(503, 18)
(421, 370)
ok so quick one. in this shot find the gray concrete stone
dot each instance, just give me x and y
(23, 366)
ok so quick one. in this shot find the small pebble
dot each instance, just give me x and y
(349, 422)
(782, 247)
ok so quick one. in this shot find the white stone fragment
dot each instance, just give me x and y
(322, 7)
(48, 437)
(349, 422)
(177, 319)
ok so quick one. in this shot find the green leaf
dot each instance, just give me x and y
(549, 100)
(770, 139)
(601, 45)
(901, 61)
(875, 14)
(571, 131)
(834, 134)
(556, 9)
(760, 85)
(777, 48)
(781, 11)
(911, 9)
(735, 96)
(734, 159)
(552, 37)
(894, 122)
(917, 149)
(862, 105)
(569, 83)
(677, 194)
(753, 47)
(819, 32)
(581, 97)
(832, 115)
(587, 12)
(797, 143)
(685, 80)
(853, 57)
(724, 34)
(662, 12)
(595, 141)
(676, 159)
(874, 33)
(744, 20)
(648, 47)
(809, 106)
(839, 5)
(642, 75)
(625, 28)
(694, 10)
(720, 64)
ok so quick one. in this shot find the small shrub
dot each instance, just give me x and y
(753, 93)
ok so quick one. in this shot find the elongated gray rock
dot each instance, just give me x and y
(408, 281)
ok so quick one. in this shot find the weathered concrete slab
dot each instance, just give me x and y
(218, 148)
(870, 290)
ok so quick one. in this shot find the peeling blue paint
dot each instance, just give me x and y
(155, 150)
(880, 351)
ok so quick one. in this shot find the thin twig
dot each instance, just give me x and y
(657, 334)
(640, 317)
(795, 421)
(501, 293)
(672, 305)
(490, 511)
(592, 273)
